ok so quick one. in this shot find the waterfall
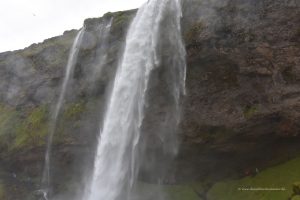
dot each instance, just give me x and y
(117, 158)
(104, 31)
(69, 71)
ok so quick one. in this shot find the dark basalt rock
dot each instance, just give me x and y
(241, 110)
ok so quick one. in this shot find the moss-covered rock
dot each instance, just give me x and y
(74, 110)
(9, 120)
(289, 75)
(64, 43)
(296, 197)
(250, 111)
(120, 23)
(2, 192)
(33, 129)
(229, 68)
(192, 36)
(296, 188)
(120, 18)
(297, 34)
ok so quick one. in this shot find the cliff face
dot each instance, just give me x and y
(241, 110)
(30, 84)
(242, 107)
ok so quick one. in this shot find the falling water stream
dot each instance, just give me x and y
(116, 163)
(104, 31)
(69, 71)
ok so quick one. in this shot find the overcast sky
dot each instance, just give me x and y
(24, 22)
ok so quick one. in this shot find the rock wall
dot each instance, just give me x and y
(242, 107)
(240, 113)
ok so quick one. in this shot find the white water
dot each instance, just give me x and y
(69, 71)
(104, 31)
(116, 162)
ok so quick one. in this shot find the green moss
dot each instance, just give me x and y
(289, 75)
(73, 111)
(193, 34)
(282, 176)
(2, 62)
(9, 120)
(63, 44)
(172, 192)
(185, 192)
(33, 129)
(108, 15)
(6, 115)
(297, 33)
(121, 19)
(215, 133)
(296, 197)
(250, 111)
(241, 35)
(296, 188)
(69, 122)
(2, 192)
(24, 128)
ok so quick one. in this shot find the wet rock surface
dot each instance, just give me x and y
(241, 111)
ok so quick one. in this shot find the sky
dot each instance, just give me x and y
(24, 22)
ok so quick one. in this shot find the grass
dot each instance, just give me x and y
(171, 192)
(282, 176)
(184, 192)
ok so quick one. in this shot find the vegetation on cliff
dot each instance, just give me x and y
(241, 107)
